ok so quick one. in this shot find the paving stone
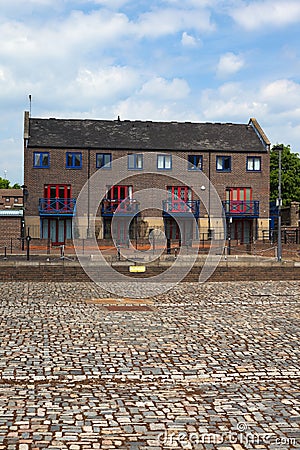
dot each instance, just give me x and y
(209, 362)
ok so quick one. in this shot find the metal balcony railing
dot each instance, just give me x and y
(121, 207)
(249, 208)
(181, 208)
(57, 206)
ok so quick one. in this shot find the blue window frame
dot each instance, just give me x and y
(41, 160)
(253, 164)
(74, 160)
(194, 162)
(223, 163)
(135, 161)
(164, 162)
(103, 160)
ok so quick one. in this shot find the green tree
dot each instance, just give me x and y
(290, 175)
(5, 184)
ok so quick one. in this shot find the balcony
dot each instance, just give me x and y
(181, 208)
(241, 208)
(127, 207)
(57, 207)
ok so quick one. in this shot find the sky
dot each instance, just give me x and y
(160, 60)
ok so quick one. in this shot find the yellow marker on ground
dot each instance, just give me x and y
(137, 269)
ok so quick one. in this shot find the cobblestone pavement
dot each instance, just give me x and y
(213, 366)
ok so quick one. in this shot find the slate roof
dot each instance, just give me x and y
(146, 135)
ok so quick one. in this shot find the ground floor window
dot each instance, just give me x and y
(57, 230)
(241, 230)
(120, 232)
(180, 229)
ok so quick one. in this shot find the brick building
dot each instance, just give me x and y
(60, 155)
(11, 198)
(11, 213)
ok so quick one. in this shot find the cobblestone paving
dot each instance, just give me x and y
(213, 366)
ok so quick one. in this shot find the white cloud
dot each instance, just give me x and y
(160, 88)
(229, 64)
(194, 3)
(140, 108)
(231, 102)
(162, 22)
(275, 105)
(141, 60)
(12, 88)
(104, 83)
(189, 41)
(11, 158)
(237, 100)
(20, 4)
(282, 95)
(61, 40)
(110, 4)
(2, 74)
(259, 14)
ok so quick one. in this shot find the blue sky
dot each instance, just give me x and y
(184, 60)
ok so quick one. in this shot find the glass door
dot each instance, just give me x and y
(178, 196)
(239, 200)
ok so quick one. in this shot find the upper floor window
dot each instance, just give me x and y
(103, 160)
(57, 191)
(223, 163)
(74, 160)
(194, 162)
(164, 162)
(254, 163)
(181, 193)
(41, 160)
(135, 161)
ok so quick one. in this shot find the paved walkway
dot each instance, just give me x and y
(213, 366)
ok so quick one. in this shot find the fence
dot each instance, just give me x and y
(10, 246)
(37, 248)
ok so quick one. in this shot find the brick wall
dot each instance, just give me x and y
(11, 198)
(10, 229)
(73, 272)
(35, 179)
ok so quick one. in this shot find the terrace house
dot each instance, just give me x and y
(60, 155)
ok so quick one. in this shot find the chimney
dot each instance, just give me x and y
(26, 125)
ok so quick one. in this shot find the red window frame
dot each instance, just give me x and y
(57, 192)
(240, 199)
(116, 195)
(178, 196)
(57, 189)
(119, 192)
